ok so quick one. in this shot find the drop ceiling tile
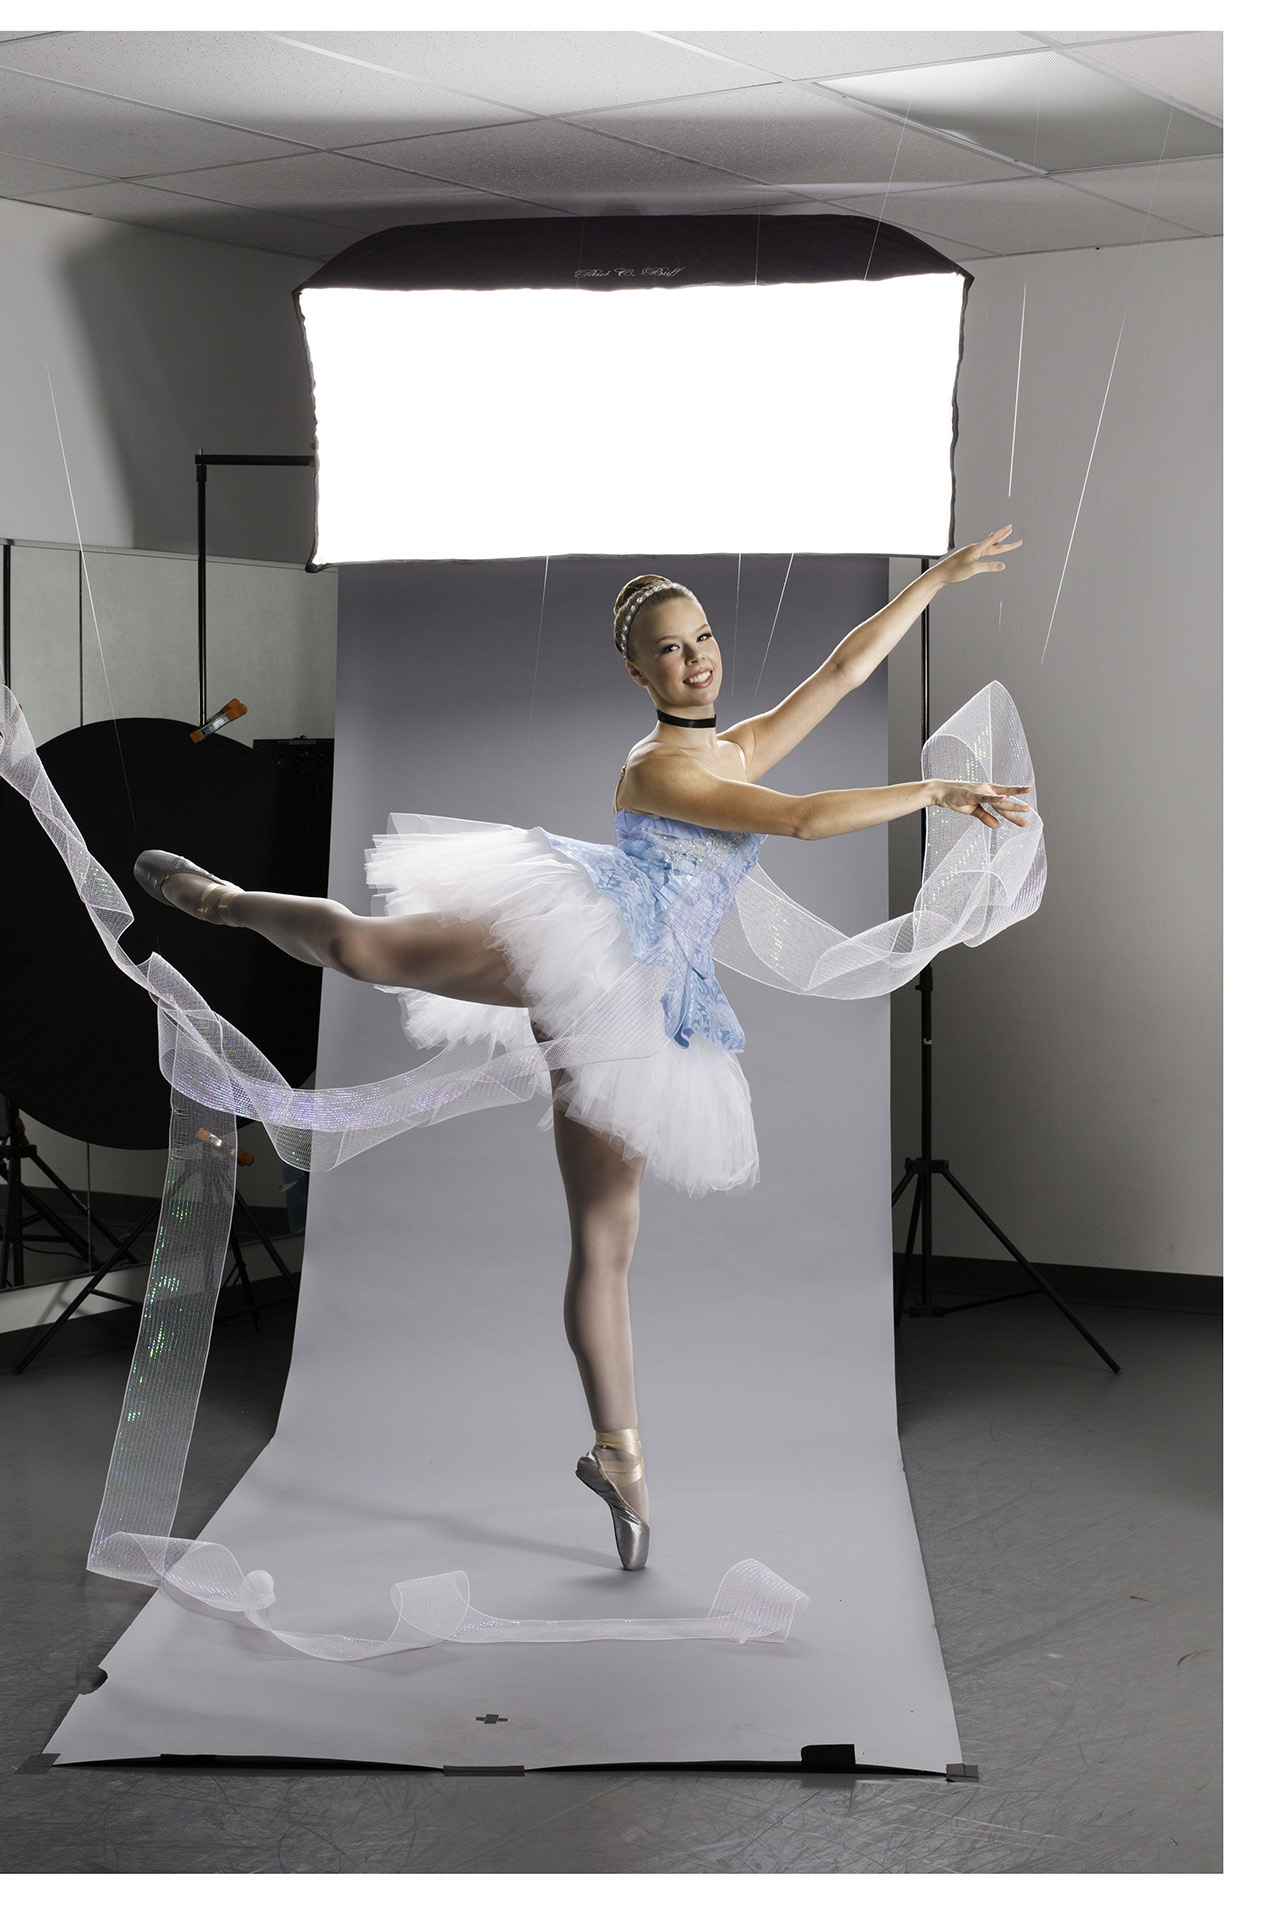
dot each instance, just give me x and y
(438, 205)
(1018, 216)
(1188, 192)
(546, 160)
(811, 56)
(1041, 108)
(656, 200)
(254, 80)
(312, 185)
(20, 177)
(141, 206)
(788, 135)
(91, 133)
(1088, 39)
(803, 208)
(1182, 66)
(546, 72)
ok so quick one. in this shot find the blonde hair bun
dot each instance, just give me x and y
(654, 588)
(634, 586)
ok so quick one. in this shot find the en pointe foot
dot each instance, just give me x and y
(614, 1469)
(180, 883)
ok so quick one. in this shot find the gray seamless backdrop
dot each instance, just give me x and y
(433, 1416)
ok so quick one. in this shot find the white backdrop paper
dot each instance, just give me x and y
(432, 1415)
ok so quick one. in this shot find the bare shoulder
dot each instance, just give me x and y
(741, 739)
(662, 779)
(641, 763)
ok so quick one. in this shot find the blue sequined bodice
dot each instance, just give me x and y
(673, 884)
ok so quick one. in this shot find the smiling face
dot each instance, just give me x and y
(672, 652)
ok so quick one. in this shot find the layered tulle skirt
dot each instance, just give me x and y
(684, 1110)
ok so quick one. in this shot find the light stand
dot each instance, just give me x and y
(239, 1271)
(15, 1237)
(924, 1168)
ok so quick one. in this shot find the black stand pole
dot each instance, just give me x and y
(203, 463)
(6, 614)
(922, 1170)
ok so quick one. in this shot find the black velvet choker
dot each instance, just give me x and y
(674, 720)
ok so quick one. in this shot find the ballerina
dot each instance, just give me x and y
(510, 935)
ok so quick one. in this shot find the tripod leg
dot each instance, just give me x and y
(74, 1240)
(65, 1190)
(908, 1252)
(13, 1216)
(6, 1235)
(1027, 1267)
(242, 1275)
(270, 1245)
(100, 1273)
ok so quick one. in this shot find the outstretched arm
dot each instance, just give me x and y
(769, 737)
(673, 785)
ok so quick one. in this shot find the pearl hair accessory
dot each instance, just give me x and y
(659, 586)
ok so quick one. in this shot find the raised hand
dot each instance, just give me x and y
(982, 801)
(978, 558)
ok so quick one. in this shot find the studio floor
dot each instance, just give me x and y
(1070, 1528)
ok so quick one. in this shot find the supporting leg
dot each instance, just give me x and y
(603, 1194)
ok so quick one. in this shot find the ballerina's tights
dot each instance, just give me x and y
(601, 1187)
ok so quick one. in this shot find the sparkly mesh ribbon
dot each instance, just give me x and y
(751, 1603)
(976, 881)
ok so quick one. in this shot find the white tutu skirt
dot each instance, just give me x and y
(684, 1111)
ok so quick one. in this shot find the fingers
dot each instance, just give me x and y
(991, 806)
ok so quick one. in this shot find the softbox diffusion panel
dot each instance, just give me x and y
(713, 384)
(432, 1415)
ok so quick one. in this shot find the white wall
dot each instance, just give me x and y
(117, 634)
(155, 344)
(1077, 1059)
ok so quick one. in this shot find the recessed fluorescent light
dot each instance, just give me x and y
(1037, 109)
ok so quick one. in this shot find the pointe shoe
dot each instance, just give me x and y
(630, 1532)
(152, 868)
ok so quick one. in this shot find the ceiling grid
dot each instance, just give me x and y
(981, 143)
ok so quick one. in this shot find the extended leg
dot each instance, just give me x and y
(603, 1194)
(410, 950)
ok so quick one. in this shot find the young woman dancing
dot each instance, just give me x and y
(507, 935)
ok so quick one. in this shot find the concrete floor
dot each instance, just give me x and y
(1069, 1524)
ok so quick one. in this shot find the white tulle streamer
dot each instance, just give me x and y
(976, 882)
(751, 1603)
